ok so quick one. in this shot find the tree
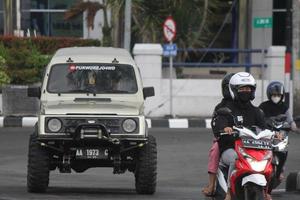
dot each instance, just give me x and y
(196, 19)
(92, 8)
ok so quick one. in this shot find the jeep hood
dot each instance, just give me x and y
(87, 107)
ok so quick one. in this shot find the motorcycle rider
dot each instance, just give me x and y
(214, 153)
(275, 106)
(242, 87)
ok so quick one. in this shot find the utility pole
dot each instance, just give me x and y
(8, 17)
(288, 52)
(127, 29)
(18, 15)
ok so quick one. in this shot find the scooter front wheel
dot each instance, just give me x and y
(253, 192)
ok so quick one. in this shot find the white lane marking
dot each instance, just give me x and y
(279, 190)
(1, 121)
(178, 123)
(149, 123)
(207, 123)
(29, 121)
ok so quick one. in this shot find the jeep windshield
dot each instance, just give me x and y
(92, 78)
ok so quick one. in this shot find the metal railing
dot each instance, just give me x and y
(233, 52)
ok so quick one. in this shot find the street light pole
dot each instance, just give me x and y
(18, 16)
(127, 29)
(288, 52)
(8, 26)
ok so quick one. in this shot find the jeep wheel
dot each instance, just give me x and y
(37, 168)
(145, 173)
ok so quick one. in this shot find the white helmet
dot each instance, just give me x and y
(239, 80)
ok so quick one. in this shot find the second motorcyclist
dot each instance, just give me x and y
(275, 104)
(273, 107)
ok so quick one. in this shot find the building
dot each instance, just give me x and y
(45, 17)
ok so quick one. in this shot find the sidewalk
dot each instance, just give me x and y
(199, 122)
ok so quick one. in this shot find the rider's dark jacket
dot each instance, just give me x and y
(271, 109)
(248, 116)
(222, 104)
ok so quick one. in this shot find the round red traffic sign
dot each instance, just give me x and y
(169, 28)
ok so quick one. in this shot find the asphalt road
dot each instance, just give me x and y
(182, 160)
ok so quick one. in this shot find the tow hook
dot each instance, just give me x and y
(115, 141)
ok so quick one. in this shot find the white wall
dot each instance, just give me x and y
(192, 97)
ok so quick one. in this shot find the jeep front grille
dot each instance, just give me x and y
(112, 125)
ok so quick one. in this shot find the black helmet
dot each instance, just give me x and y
(225, 85)
(275, 87)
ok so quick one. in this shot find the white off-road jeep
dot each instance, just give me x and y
(92, 115)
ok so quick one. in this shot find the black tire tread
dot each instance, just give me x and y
(37, 168)
(146, 170)
(253, 192)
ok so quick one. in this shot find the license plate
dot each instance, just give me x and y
(84, 153)
(257, 144)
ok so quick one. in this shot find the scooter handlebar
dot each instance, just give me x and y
(233, 133)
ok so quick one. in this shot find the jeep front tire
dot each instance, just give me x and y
(145, 173)
(38, 167)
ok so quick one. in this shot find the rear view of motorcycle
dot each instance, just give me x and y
(253, 171)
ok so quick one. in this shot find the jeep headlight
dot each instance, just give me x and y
(129, 125)
(54, 125)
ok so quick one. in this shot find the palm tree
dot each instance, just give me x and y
(194, 19)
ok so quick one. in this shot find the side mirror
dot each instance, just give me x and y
(148, 92)
(34, 92)
(224, 111)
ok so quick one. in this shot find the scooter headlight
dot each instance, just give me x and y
(257, 165)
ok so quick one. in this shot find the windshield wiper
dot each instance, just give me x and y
(93, 99)
(87, 91)
(79, 91)
(115, 91)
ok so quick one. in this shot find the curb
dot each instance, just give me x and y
(152, 123)
(18, 121)
(179, 123)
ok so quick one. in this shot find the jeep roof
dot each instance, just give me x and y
(92, 54)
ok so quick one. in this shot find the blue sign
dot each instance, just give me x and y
(170, 50)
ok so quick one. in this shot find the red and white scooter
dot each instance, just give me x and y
(253, 171)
